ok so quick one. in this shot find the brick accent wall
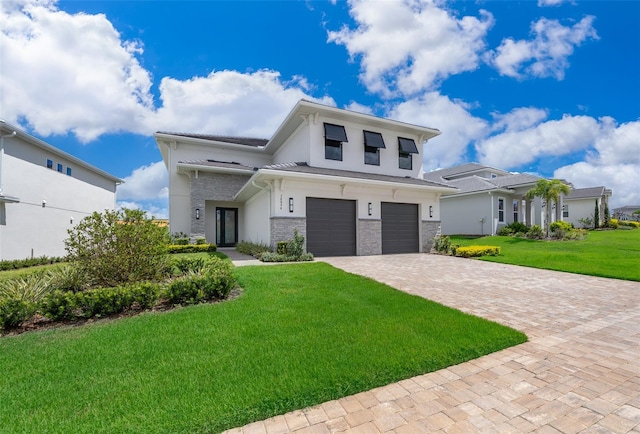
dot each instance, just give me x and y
(282, 229)
(211, 186)
(429, 231)
(369, 237)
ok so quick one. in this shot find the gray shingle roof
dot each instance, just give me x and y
(515, 180)
(247, 141)
(457, 170)
(474, 183)
(585, 193)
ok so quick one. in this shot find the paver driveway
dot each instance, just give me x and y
(579, 372)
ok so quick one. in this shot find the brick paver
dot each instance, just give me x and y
(579, 372)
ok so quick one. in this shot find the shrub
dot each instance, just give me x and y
(212, 283)
(186, 265)
(586, 222)
(253, 249)
(116, 247)
(442, 244)
(278, 257)
(295, 246)
(535, 233)
(282, 247)
(191, 248)
(475, 251)
(505, 231)
(31, 288)
(560, 228)
(14, 312)
(180, 241)
(613, 223)
(627, 223)
(29, 262)
(68, 278)
(200, 241)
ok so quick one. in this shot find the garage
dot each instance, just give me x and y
(331, 227)
(400, 229)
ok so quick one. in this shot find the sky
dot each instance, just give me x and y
(548, 87)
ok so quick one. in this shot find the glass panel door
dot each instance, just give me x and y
(226, 227)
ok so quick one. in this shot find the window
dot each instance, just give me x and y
(49, 164)
(334, 135)
(372, 144)
(500, 210)
(59, 167)
(69, 171)
(406, 147)
(515, 211)
(493, 175)
(565, 210)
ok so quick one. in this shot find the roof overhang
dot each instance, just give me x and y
(268, 175)
(190, 167)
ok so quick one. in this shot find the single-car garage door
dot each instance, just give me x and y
(400, 232)
(331, 227)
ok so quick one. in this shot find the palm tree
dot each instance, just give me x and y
(548, 190)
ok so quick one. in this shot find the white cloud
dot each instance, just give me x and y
(458, 127)
(360, 108)
(146, 182)
(546, 54)
(63, 72)
(543, 3)
(229, 102)
(518, 119)
(411, 45)
(155, 210)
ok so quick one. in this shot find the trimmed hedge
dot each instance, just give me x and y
(191, 248)
(213, 282)
(14, 311)
(475, 251)
(29, 262)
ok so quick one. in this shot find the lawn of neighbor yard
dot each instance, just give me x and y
(614, 254)
(299, 335)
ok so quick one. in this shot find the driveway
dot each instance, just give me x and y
(579, 372)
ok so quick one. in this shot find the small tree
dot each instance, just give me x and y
(596, 216)
(548, 190)
(116, 247)
(606, 215)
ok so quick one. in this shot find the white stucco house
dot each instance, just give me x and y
(488, 199)
(581, 204)
(351, 183)
(44, 192)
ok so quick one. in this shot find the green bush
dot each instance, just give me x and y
(29, 262)
(214, 282)
(116, 247)
(442, 244)
(627, 223)
(31, 288)
(535, 233)
(14, 312)
(476, 251)
(201, 240)
(282, 247)
(191, 248)
(186, 265)
(253, 249)
(68, 278)
(278, 257)
(295, 246)
(61, 305)
(180, 241)
(505, 231)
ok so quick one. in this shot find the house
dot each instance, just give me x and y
(43, 193)
(627, 213)
(349, 182)
(488, 199)
(580, 204)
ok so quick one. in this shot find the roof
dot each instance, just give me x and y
(586, 193)
(248, 141)
(5, 126)
(475, 183)
(459, 170)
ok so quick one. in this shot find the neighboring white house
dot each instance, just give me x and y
(43, 192)
(488, 199)
(581, 204)
(351, 183)
(627, 213)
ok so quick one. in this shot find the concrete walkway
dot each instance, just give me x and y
(579, 372)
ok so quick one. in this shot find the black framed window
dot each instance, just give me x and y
(49, 164)
(406, 149)
(69, 171)
(565, 210)
(59, 167)
(405, 161)
(372, 156)
(334, 136)
(373, 142)
(501, 210)
(515, 211)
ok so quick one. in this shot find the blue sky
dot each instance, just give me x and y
(550, 87)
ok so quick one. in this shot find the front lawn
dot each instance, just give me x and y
(609, 253)
(299, 335)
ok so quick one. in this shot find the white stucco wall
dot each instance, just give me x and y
(457, 219)
(255, 226)
(581, 208)
(28, 228)
(295, 148)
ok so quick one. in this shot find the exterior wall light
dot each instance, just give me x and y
(290, 204)
(197, 213)
(71, 220)
(430, 211)
(44, 203)
(370, 208)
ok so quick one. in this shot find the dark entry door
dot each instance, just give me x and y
(226, 227)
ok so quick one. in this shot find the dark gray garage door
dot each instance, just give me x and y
(331, 227)
(400, 228)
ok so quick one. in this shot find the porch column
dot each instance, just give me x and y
(527, 215)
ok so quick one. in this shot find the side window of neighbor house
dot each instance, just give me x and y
(501, 210)
(406, 149)
(373, 142)
(59, 167)
(49, 164)
(334, 136)
(515, 211)
(565, 210)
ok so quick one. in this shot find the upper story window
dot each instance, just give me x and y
(373, 142)
(334, 136)
(406, 147)
(49, 164)
(69, 171)
(59, 167)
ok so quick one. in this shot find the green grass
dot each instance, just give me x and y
(299, 335)
(614, 254)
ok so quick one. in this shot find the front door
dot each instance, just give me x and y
(226, 227)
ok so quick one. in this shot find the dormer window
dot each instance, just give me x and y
(334, 136)
(406, 149)
(372, 144)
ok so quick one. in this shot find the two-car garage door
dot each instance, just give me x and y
(331, 227)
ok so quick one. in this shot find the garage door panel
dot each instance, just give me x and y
(400, 228)
(331, 227)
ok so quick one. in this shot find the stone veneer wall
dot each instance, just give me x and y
(369, 237)
(429, 231)
(211, 186)
(282, 229)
